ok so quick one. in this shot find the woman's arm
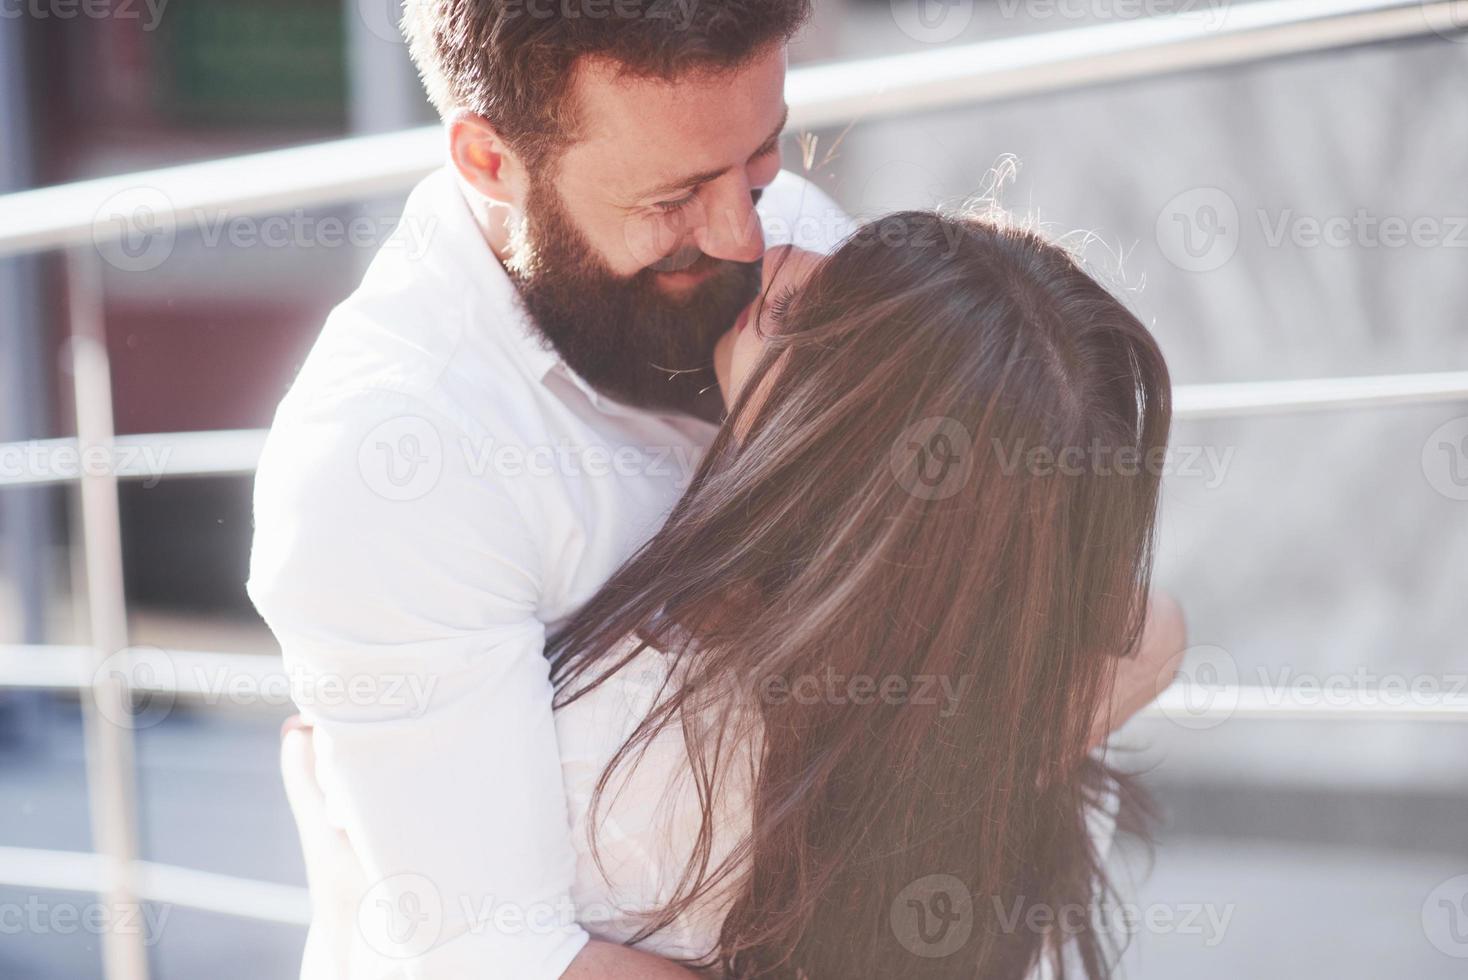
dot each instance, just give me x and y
(1150, 670)
(610, 961)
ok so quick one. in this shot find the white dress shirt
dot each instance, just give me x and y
(437, 491)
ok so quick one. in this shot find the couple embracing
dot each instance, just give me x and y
(746, 653)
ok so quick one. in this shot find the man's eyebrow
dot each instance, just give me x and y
(695, 180)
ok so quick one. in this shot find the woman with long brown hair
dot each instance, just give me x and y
(837, 718)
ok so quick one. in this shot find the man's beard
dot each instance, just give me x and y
(624, 335)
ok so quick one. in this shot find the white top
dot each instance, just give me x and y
(437, 490)
(646, 823)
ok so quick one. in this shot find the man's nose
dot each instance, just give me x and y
(733, 230)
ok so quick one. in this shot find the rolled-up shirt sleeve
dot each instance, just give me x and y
(402, 587)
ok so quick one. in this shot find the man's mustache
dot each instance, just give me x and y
(680, 260)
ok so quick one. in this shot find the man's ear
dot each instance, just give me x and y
(484, 162)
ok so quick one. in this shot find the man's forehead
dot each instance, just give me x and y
(643, 130)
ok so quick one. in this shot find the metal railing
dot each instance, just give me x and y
(67, 217)
(936, 78)
(156, 455)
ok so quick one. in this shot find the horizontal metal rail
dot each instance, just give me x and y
(224, 678)
(150, 456)
(165, 884)
(154, 456)
(197, 676)
(1243, 398)
(1191, 704)
(1050, 61)
(819, 95)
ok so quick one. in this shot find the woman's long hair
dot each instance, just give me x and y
(950, 485)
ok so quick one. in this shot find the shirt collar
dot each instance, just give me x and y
(465, 259)
(469, 260)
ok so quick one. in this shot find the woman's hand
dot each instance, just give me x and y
(1147, 672)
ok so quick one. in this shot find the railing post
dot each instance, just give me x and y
(107, 713)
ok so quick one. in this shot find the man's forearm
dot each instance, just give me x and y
(610, 961)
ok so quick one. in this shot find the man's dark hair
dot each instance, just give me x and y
(513, 61)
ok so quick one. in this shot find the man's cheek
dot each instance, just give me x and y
(622, 248)
(649, 238)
